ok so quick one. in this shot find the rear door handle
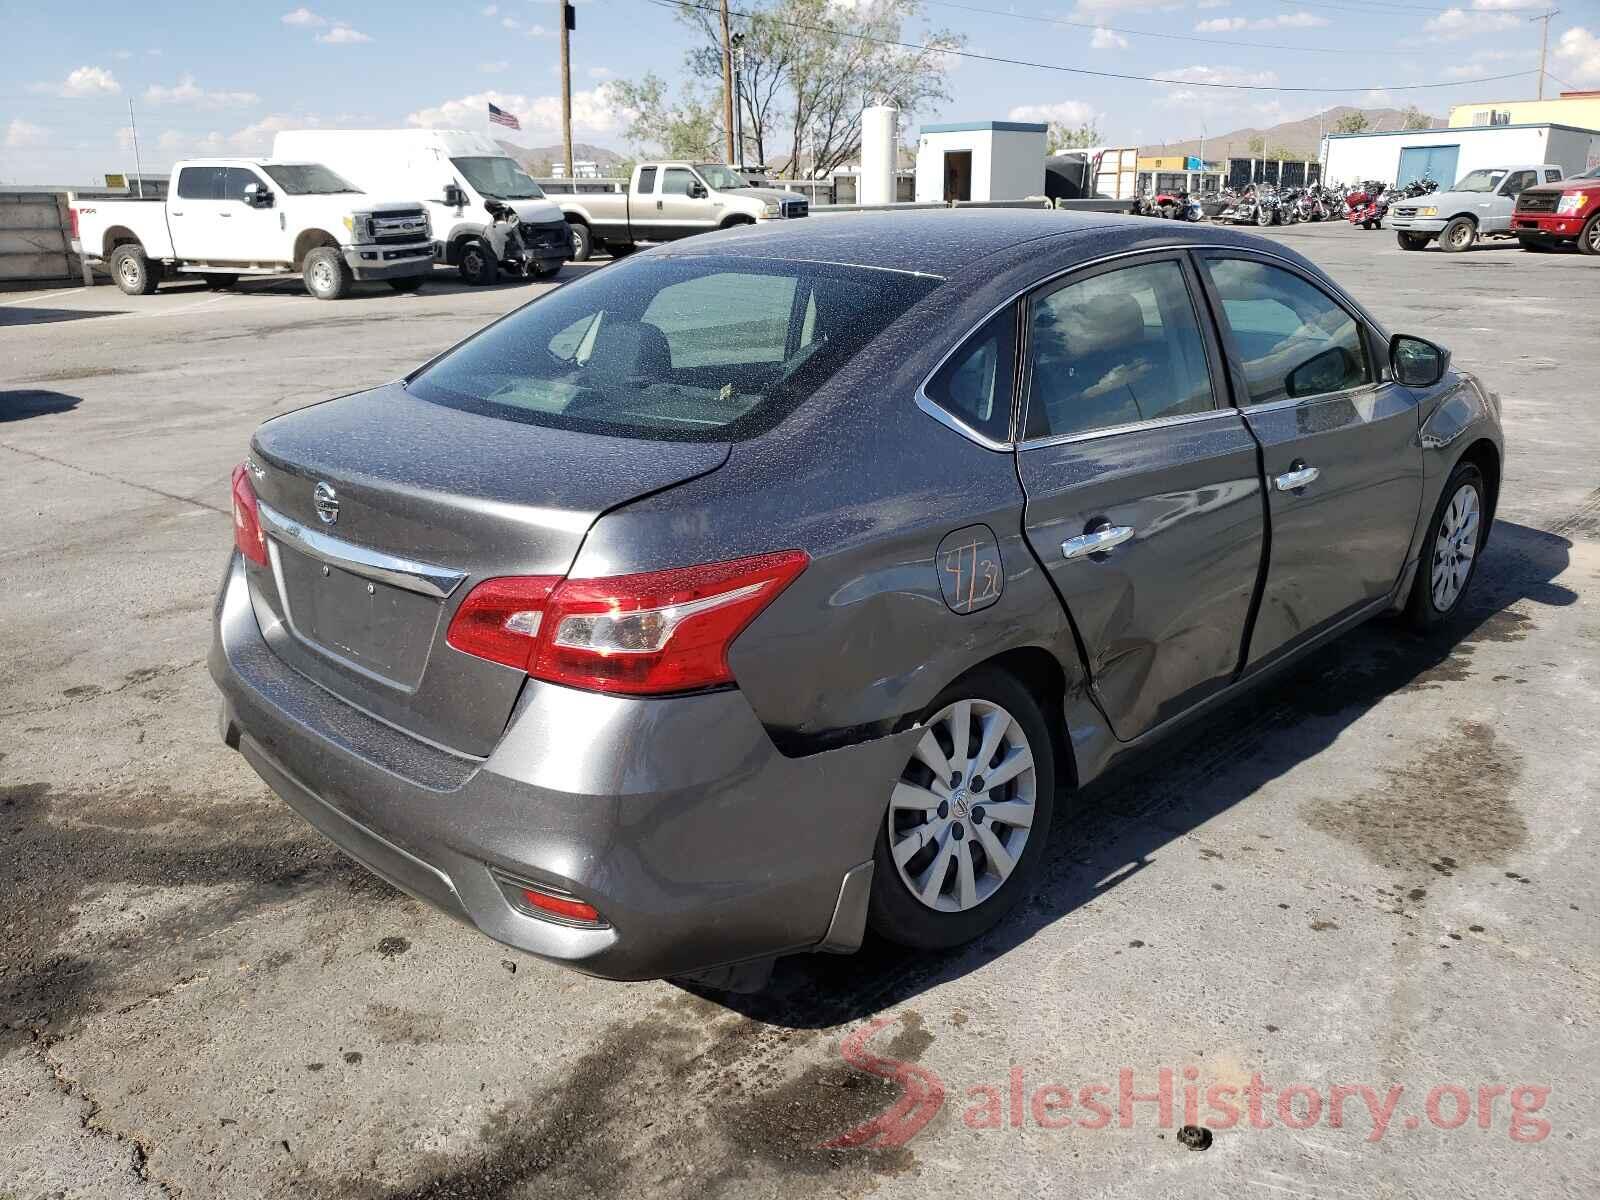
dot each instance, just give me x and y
(1099, 541)
(1293, 481)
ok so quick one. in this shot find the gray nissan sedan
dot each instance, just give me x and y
(778, 584)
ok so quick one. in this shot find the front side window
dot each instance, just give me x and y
(1291, 336)
(975, 386)
(696, 349)
(1518, 182)
(235, 180)
(1115, 349)
(677, 181)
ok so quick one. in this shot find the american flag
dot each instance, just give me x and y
(499, 116)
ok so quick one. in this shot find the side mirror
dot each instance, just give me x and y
(697, 190)
(454, 197)
(1329, 371)
(1416, 362)
(257, 195)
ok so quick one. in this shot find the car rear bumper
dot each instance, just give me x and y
(699, 843)
(374, 261)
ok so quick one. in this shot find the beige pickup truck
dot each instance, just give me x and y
(668, 200)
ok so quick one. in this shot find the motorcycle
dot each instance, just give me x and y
(1367, 204)
(1239, 207)
(1269, 206)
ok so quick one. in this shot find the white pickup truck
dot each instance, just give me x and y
(227, 217)
(667, 200)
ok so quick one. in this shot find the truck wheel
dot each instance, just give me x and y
(478, 266)
(582, 242)
(134, 273)
(1589, 237)
(1461, 234)
(326, 274)
(1411, 241)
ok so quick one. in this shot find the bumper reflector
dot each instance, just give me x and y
(550, 904)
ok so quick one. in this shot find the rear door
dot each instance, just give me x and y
(1339, 443)
(1143, 493)
(192, 215)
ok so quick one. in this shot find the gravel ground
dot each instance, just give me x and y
(1376, 874)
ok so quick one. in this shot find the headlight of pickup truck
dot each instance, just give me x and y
(1427, 212)
(772, 209)
(1570, 203)
(359, 226)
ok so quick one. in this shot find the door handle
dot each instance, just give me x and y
(1293, 481)
(225, 214)
(1105, 538)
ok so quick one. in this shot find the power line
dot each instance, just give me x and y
(1122, 75)
(1169, 37)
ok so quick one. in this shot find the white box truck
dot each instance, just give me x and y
(459, 178)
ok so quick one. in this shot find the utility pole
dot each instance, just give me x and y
(737, 42)
(727, 83)
(138, 167)
(1544, 43)
(568, 22)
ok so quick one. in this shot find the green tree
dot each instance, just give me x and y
(685, 127)
(1413, 117)
(1256, 145)
(1353, 122)
(1061, 137)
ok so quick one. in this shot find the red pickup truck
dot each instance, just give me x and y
(1551, 213)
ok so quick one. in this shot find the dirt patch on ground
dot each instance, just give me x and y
(1449, 807)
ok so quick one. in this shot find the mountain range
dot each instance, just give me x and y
(1301, 138)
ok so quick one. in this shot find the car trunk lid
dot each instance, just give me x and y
(382, 511)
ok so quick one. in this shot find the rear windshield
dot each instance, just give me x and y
(682, 349)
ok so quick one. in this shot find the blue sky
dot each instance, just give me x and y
(216, 78)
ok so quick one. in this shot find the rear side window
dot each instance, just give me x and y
(199, 183)
(1115, 349)
(1552, 176)
(976, 384)
(647, 180)
(687, 349)
(1293, 338)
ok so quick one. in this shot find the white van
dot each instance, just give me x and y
(455, 175)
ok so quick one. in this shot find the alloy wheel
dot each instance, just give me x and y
(1454, 548)
(1593, 235)
(963, 808)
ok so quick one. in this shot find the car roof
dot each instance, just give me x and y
(947, 242)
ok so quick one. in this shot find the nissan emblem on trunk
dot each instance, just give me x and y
(327, 503)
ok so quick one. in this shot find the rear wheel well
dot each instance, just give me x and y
(1040, 672)
(119, 235)
(308, 241)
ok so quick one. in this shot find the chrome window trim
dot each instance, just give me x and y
(437, 582)
(932, 407)
(1089, 435)
(1296, 401)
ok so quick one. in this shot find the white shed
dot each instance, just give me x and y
(1445, 155)
(980, 160)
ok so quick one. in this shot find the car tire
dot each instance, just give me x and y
(478, 266)
(327, 276)
(1263, 218)
(582, 242)
(1459, 235)
(1443, 573)
(411, 283)
(1589, 236)
(1411, 241)
(220, 283)
(965, 835)
(135, 274)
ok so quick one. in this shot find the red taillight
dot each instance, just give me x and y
(72, 217)
(645, 634)
(247, 533)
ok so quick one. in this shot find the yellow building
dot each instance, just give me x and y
(1578, 109)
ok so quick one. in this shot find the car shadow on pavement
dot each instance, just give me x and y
(30, 402)
(25, 315)
(1117, 827)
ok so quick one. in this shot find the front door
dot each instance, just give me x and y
(1143, 491)
(1505, 201)
(684, 206)
(252, 235)
(1340, 447)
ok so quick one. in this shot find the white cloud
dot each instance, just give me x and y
(595, 111)
(1455, 23)
(1579, 53)
(186, 91)
(1062, 112)
(253, 139)
(1107, 39)
(20, 133)
(1294, 20)
(1091, 9)
(343, 35)
(304, 18)
(1230, 75)
(81, 82)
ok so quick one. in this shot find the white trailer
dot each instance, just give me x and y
(1445, 155)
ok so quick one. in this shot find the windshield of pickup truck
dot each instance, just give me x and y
(697, 349)
(720, 177)
(498, 178)
(308, 179)
(1592, 173)
(1479, 181)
